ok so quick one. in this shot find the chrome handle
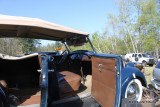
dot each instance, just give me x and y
(99, 67)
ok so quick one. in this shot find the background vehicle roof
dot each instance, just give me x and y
(13, 26)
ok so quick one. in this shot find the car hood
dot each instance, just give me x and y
(13, 26)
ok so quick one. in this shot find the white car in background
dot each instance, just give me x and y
(143, 59)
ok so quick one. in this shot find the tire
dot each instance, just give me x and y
(144, 63)
(134, 90)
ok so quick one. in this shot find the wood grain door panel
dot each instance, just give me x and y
(104, 80)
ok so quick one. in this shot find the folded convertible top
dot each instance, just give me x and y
(13, 26)
(8, 57)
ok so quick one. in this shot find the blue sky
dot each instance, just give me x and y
(86, 15)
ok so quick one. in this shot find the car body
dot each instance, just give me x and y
(55, 75)
(156, 76)
(143, 58)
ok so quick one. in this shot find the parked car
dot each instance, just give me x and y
(143, 58)
(79, 77)
(156, 76)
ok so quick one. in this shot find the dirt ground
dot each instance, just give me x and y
(148, 72)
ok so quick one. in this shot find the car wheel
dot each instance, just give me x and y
(144, 63)
(134, 90)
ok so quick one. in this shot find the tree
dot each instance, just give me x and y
(28, 45)
(10, 46)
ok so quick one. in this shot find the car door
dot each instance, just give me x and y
(49, 85)
(106, 80)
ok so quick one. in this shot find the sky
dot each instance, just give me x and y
(86, 15)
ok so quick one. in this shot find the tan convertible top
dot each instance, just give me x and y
(13, 26)
(8, 57)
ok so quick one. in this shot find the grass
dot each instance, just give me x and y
(149, 74)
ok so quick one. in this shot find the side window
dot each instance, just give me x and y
(133, 55)
(139, 55)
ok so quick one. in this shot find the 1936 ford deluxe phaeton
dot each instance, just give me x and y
(73, 78)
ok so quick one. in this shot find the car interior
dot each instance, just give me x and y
(20, 77)
(79, 73)
(20, 80)
(73, 77)
(72, 71)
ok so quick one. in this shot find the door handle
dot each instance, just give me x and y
(99, 67)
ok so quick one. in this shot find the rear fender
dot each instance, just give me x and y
(129, 73)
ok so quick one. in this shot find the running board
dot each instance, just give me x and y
(60, 101)
(71, 98)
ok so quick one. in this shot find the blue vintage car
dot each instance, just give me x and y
(81, 78)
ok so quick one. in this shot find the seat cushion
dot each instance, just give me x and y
(68, 81)
(4, 85)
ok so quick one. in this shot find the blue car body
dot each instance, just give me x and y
(129, 73)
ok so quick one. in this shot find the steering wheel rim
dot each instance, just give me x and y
(64, 52)
(63, 57)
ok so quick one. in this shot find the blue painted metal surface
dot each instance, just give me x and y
(44, 81)
(127, 76)
(118, 81)
(129, 64)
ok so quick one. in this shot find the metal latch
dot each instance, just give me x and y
(99, 67)
(118, 73)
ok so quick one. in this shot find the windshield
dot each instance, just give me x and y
(86, 46)
(145, 55)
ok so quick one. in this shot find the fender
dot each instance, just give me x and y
(129, 73)
(3, 97)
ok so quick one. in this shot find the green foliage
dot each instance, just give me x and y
(10, 46)
(49, 47)
(137, 24)
(147, 25)
(28, 45)
(58, 44)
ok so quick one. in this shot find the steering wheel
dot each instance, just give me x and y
(65, 54)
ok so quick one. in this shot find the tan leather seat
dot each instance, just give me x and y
(4, 84)
(68, 81)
